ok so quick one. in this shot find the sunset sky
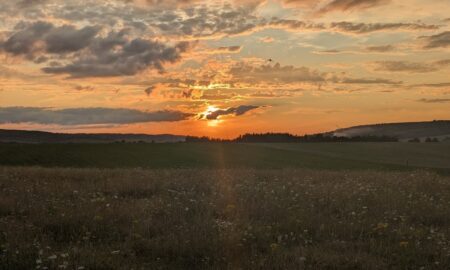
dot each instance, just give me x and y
(222, 68)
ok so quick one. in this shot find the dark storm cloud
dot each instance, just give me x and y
(363, 28)
(236, 111)
(441, 40)
(86, 116)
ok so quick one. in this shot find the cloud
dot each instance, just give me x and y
(198, 22)
(44, 37)
(67, 38)
(225, 50)
(434, 100)
(380, 49)
(115, 54)
(126, 59)
(267, 39)
(410, 67)
(441, 40)
(149, 90)
(364, 28)
(163, 3)
(275, 73)
(86, 116)
(433, 85)
(217, 96)
(368, 81)
(236, 111)
(351, 5)
(293, 25)
(28, 3)
(84, 88)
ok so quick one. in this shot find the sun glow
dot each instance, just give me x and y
(211, 122)
(211, 86)
(210, 109)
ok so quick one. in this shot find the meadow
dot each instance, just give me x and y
(224, 206)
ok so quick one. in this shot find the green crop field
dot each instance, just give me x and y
(225, 206)
(216, 155)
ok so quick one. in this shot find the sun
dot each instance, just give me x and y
(210, 109)
(211, 122)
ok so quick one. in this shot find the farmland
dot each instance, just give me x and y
(385, 156)
(225, 206)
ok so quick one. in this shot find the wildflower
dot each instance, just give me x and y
(230, 207)
(274, 246)
(381, 226)
(404, 243)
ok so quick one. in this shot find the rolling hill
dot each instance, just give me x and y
(402, 131)
(23, 136)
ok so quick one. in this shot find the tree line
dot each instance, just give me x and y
(290, 138)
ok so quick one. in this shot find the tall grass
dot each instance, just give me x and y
(222, 219)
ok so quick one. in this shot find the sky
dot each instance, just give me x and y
(222, 68)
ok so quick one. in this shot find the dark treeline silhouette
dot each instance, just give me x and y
(289, 138)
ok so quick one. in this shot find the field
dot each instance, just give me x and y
(379, 156)
(225, 206)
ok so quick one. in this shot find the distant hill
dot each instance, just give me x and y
(378, 132)
(23, 136)
(402, 131)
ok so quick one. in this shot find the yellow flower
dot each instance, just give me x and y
(381, 226)
(274, 246)
(404, 243)
(231, 207)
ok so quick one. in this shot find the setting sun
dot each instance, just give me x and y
(211, 121)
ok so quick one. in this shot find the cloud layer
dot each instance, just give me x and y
(86, 116)
(236, 111)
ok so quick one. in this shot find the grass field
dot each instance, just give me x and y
(223, 219)
(385, 156)
(225, 206)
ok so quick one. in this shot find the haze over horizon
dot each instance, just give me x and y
(222, 68)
